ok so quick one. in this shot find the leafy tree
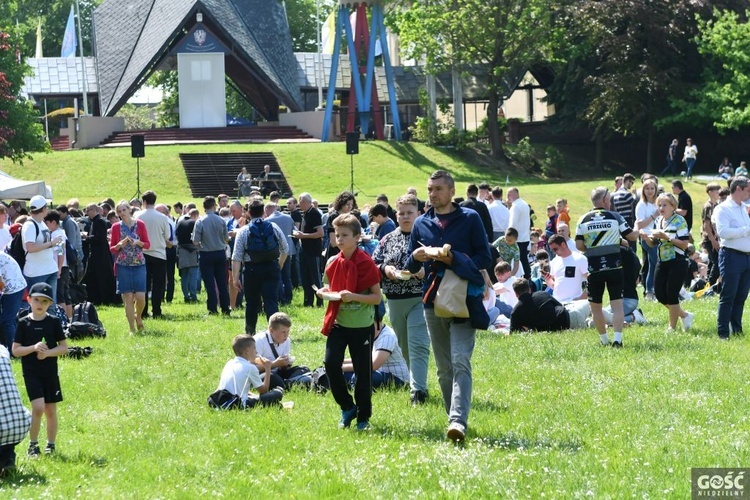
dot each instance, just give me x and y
(502, 37)
(54, 16)
(724, 96)
(20, 132)
(624, 64)
(136, 117)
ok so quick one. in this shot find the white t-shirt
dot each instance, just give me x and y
(520, 219)
(263, 342)
(60, 249)
(11, 274)
(38, 263)
(500, 216)
(644, 210)
(569, 273)
(395, 364)
(691, 151)
(505, 291)
(5, 237)
(239, 376)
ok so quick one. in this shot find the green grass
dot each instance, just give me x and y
(552, 414)
(321, 169)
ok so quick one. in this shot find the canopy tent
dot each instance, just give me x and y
(16, 189)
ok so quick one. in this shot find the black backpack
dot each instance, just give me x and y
(85, 312)
(224, 400)
(16, 249)
(262, 245)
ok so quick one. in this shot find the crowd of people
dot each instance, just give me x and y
(368, 265)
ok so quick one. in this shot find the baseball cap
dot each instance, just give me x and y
(37, 202)
(41, 290)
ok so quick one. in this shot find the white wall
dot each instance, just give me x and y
(92, 130)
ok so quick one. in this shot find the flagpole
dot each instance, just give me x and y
(319, 67)
(83, 62)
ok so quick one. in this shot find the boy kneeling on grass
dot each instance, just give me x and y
(240, 375)
(39, 340)
(349, 322)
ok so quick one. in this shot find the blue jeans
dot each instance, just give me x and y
(50, 279)
(213, 267)
(189, 282)
(735, 276)
(689, 163)
(261, 281)
(407, 320)
(285, 283)
(379, 379)
(653, 259)
(453, 345)
(10, 304)
(628, 306)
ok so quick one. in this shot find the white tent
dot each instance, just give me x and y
(16, 189)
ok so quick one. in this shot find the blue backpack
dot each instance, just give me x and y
(262, 245)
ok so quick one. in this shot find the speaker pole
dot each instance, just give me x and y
(351, 171)
(137, 178)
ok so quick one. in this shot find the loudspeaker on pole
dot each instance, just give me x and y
(352, 143)
(137, 146)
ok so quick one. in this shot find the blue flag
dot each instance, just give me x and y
(70, 43)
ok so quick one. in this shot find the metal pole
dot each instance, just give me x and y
(83, 61)
(46, 121)
(351, 184)
(319, 66)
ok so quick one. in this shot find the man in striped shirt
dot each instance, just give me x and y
(623, 202)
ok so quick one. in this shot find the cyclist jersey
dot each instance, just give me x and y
(601, 231)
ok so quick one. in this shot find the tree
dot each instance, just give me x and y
(724, 96)
(500, 37)
(54, 16)
(20, 132)
(624, 64)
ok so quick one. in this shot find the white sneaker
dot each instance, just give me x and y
(685, 295)
(456, 432)
(687, 321)
(638, 317)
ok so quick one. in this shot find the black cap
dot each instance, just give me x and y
(41, 290)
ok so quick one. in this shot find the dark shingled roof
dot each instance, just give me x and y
(133, 37)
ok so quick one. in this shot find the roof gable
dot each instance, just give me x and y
(132, 37)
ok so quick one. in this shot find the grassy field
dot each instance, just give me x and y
(553, 415)
(321, 169)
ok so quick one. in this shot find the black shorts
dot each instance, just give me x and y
(42, 385)
(63, 287)
(612, 279)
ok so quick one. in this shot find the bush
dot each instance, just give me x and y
(553, 162)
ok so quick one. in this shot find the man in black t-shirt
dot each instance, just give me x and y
(684, 204)
(310, 236)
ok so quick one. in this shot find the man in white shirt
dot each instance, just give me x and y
(520, 219)
(158, 228)
(564, 230)
(568, 271)
(41, 264)
(733, 227)
(499, 213)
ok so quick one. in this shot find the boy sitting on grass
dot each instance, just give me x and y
(507, 247)
(349, 322)
(274, 344)
(240, 375)
(39, 340)
(388, 363)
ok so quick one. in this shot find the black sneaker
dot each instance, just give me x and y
(34, 450)
(49, 449)
(418, 398)
(617, 345)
